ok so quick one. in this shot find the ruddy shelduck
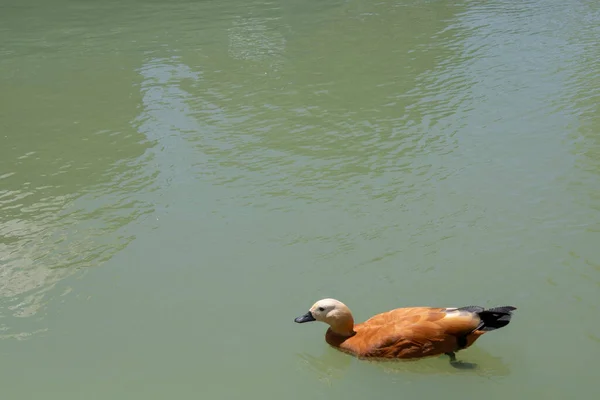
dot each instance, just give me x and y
(407, 333)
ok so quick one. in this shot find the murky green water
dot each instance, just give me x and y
(179, 180)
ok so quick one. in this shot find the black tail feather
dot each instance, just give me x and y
(492, 318)
(495, 318)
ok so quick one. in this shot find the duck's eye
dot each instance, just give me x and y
(321, 309)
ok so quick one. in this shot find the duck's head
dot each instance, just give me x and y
(333, 312)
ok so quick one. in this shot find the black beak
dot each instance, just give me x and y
(308, 317)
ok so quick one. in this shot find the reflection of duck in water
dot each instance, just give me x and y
(407, 333)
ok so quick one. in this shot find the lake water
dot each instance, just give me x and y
(180, 179)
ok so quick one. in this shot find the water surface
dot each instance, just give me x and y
(179, 180)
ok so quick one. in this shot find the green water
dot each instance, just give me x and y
(179, 180)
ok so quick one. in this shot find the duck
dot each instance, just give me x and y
(408, 333)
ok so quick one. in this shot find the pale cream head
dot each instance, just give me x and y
(334, 313)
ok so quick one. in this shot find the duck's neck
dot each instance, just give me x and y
(343, 325)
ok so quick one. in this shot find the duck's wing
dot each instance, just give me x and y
(413, 332)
